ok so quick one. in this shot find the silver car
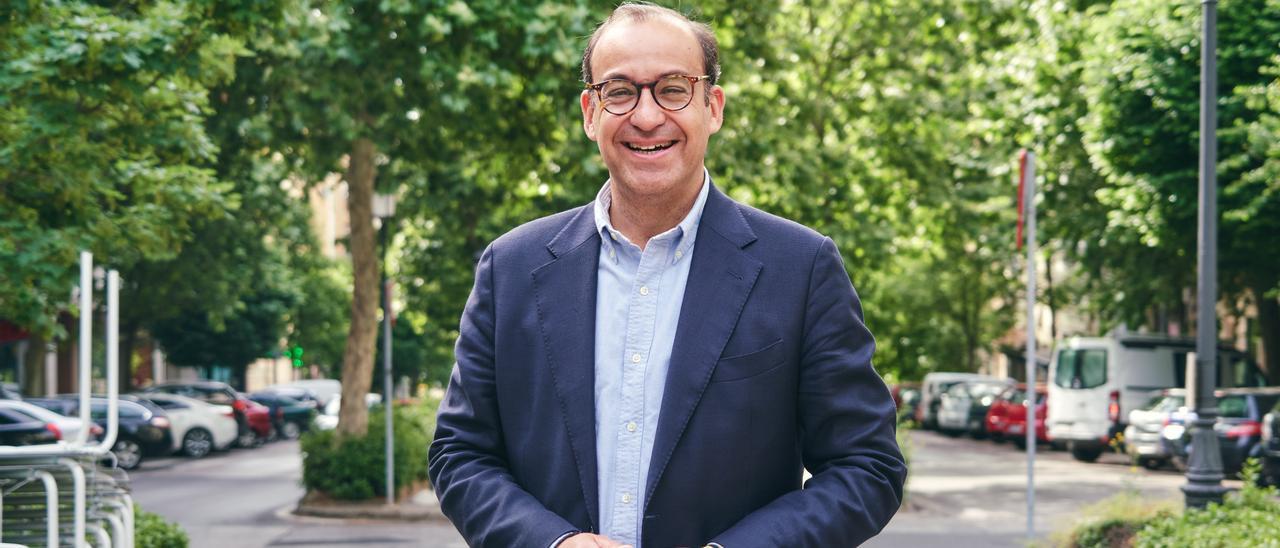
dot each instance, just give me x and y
(1142, 436)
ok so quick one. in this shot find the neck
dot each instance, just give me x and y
(640, 217)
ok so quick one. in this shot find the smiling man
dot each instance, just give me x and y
(658, 367)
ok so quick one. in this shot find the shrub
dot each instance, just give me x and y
(1248, 518)
(353, 468)
(152, 531)
(1114, 521)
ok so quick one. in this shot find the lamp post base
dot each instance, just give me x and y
(1204, 471)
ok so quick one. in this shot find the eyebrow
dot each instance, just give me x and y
(623, 76)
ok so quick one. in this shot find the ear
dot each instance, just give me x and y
(716, 94)
(588, 115)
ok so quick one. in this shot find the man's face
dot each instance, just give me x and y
(644, 52)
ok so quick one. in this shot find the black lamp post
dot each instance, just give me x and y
(1204, 471)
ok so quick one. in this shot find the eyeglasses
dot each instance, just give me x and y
(620, 96)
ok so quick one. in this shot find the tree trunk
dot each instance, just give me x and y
(1269, 328)
(357, 358)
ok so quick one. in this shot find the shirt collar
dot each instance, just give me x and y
(685, 232)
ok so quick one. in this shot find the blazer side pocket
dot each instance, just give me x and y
(742, 366)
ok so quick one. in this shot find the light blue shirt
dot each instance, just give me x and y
(638, 299)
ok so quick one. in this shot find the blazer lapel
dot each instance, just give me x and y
(720, 278)
(565, 290)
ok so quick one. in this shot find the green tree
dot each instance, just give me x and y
(1142, 77)
(103, 149)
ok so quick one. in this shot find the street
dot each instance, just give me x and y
(243, 497)
(963, 492)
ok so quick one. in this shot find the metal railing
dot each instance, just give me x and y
(71, 493)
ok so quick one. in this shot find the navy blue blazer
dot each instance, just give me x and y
(770, 373)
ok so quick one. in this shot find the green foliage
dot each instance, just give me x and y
(152, 531)
(353, 467)
(1247, 518)
(103, 147)
(1115, 520)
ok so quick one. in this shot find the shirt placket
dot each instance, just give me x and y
(641, 315)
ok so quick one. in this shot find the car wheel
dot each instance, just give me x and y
(1151, 463)
(128, 454)
(247, 439)
(290, 430)
(197, 443)
(1085, 455)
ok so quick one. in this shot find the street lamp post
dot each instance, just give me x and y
(384, 207)
(1204, 471)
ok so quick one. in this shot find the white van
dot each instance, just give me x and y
(931, 389)
(1095, 381)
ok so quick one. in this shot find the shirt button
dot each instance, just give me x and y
(631, 426)
(679, 254)
(626, 498)
(644, 290)
(635, 358)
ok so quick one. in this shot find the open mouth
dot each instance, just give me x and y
(650, 149)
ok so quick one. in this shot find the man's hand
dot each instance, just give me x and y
(588, 540)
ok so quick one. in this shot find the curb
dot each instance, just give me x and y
(422, 506)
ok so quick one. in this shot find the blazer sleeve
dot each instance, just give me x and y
(847, 425)
(468, 459)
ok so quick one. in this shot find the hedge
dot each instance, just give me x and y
(353, 468)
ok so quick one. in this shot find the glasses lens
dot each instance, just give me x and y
(619, 96)
(673, 92)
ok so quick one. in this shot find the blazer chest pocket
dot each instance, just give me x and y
(742, 366)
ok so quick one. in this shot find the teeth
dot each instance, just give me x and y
(651, 148)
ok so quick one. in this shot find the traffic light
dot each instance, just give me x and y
(296, 354)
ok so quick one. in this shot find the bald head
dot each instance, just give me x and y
(640, 12)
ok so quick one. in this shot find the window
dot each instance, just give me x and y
(1233, 407)
(1081, 368)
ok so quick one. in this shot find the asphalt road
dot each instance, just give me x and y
(242, 498)
(963, 492)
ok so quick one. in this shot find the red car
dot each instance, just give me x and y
(1007, 418)
(259, 418)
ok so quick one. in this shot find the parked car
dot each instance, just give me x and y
(328, 417)
(909, 402)
(220, 393)
(1142, 437)
(1271, 446)
(1096, 380)
(303, 395)
(261, 428)
(289, 417)
(323, 389)
(1239, 427)
(67, 427)
(1016, 417)
(20, 428)
(198, 427)
(143, 428)
(931, 390)
(997, 420)
(964, 406)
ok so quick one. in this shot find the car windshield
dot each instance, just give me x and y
(1233, 407)
(1081, 368)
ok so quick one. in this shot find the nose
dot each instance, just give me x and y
(647, 115)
